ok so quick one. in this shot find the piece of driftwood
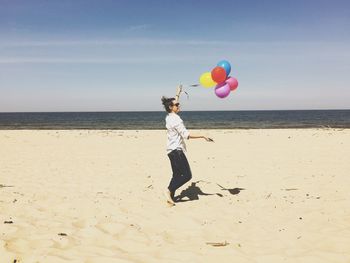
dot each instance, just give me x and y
(218, 244)
(2, 185)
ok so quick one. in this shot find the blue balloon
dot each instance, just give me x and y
(226, 65)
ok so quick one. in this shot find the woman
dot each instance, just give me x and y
(176, 147)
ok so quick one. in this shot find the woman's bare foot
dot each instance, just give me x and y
(169, 200)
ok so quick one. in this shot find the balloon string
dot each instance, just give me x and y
(186, 94)
(188, 86)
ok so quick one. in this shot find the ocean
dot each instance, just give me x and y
(192, 120)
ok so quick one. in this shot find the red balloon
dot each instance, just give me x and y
(218, 74)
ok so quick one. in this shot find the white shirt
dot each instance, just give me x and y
(176, 133)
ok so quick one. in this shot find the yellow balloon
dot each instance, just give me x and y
(206, 80)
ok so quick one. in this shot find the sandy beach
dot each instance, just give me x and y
(278, 195)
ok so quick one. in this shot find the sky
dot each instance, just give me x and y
(123, 55)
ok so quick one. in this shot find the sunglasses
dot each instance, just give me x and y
(176, 104)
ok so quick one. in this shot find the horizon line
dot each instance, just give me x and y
(127, 111)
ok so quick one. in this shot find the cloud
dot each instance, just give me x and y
(129, 60)
(162, 42)
(111, 42)
(145, 50)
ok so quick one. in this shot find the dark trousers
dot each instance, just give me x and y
(181, 170)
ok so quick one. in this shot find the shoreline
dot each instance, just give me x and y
(198, 129)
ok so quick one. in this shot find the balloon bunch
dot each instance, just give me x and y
(219, 76)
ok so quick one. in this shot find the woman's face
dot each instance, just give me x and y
(175, 106)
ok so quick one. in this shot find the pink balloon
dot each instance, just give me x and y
(222, 90)
(232, 82)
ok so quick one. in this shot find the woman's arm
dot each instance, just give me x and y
(200, 137)
(181, 129)
(178, 91)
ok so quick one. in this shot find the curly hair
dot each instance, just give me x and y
(167, 102)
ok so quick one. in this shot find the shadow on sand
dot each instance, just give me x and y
(193, 192)
(232, 191)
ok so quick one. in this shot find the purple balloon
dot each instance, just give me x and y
(222, 90)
